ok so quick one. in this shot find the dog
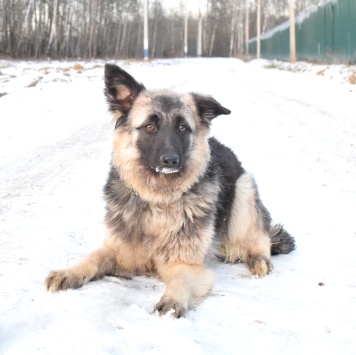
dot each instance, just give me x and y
(175, 199)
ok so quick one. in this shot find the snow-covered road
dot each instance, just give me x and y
(296, 131)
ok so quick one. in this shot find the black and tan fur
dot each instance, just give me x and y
(175, 198)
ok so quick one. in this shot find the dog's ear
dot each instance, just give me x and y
(121, 89)
(208, 108)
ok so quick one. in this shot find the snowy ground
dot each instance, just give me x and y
(295, 129)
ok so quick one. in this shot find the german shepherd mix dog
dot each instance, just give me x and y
(175, 198)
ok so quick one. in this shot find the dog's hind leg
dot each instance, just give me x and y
(249, 226)
(185, 284)
(97, 264)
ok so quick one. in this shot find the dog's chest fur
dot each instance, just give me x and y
(182, 230)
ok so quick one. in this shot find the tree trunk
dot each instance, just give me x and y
(53, 26)
(212, 39)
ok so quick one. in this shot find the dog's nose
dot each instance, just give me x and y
(170, 160)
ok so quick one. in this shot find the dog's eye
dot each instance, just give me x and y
(151, 128)
(182, 128)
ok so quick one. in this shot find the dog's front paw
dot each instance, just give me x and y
(164, 306)
(259, 265)
(63, 280)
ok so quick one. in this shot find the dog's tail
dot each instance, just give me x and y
(281, 241)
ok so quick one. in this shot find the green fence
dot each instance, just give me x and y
(327, 34)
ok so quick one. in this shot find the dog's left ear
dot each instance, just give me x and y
(121, 89)
(209, 108)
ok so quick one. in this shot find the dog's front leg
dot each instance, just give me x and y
(185, 283)
(97, 264)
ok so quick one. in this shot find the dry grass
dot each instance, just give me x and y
(34, 82)
(272, 66)
(352, 78)
(46, 70)
(136, 60)
(78, 67)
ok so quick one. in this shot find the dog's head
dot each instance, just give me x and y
(165, 133)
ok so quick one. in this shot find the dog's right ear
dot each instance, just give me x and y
(208, 108)
(121, 89)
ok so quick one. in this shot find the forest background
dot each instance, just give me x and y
(59, 29)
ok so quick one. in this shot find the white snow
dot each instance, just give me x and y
(294, 129)
(166, 170)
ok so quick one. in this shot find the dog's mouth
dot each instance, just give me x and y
(166, 171)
